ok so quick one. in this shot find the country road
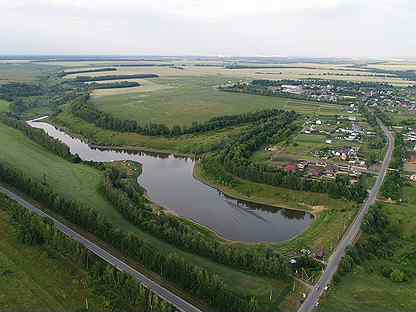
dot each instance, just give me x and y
(313, 298)
(180, 304)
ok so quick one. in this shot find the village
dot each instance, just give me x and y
(335, 147)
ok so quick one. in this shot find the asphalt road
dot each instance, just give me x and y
(180, 304)
(313, 298)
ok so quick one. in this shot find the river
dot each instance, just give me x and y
(169, 182)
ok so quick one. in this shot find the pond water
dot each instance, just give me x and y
(169, 183)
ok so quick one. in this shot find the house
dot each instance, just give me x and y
(328, 141)
(302, 164)
(413, 177)
(290, 168)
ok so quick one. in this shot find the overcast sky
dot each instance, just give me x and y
(323, 28)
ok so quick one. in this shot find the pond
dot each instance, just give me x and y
(169, 182)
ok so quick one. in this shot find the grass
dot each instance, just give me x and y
(365, 290)
(82, 182)
(184, 100)
(362, 291)
(37, 280)
(4, 106)
(73, 181)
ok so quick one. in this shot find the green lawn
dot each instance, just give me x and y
(365, 290)
(33, 280)
(197, 98)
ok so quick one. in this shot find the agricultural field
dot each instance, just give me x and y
(186, 100)
(32, 279)
(364, 289)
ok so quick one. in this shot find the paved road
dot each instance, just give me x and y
(180, 304)
(349, 236)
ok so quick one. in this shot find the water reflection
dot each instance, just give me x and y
(169, 182)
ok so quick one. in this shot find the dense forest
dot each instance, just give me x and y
(45, 93)
(113, 85)
(113, 77)
(121, 290)
(171, 267)
(234, 160)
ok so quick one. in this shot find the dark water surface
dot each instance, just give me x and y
(169, 182)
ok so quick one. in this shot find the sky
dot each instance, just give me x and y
(308, 28)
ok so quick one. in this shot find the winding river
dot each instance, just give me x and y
(169, 183)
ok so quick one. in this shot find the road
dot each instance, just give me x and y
(179, 303)
(313, 298)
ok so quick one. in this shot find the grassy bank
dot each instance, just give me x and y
(32, 279)
(332, 215)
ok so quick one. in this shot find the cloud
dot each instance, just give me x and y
(231, 27)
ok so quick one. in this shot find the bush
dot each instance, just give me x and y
(397, 276)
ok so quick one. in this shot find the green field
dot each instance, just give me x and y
(32, 279)
(197, 99)
(185, 144)
(4, 106)
(74, 181)
(366, 290)
(82, 182)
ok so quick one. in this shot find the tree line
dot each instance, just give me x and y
(113, 77)
(122, 290)
(82, 109)
(113, 85)
(170, 266)
(129, 200)
(86, 71)
(377, 242)
(394, 181)
(234, 159)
